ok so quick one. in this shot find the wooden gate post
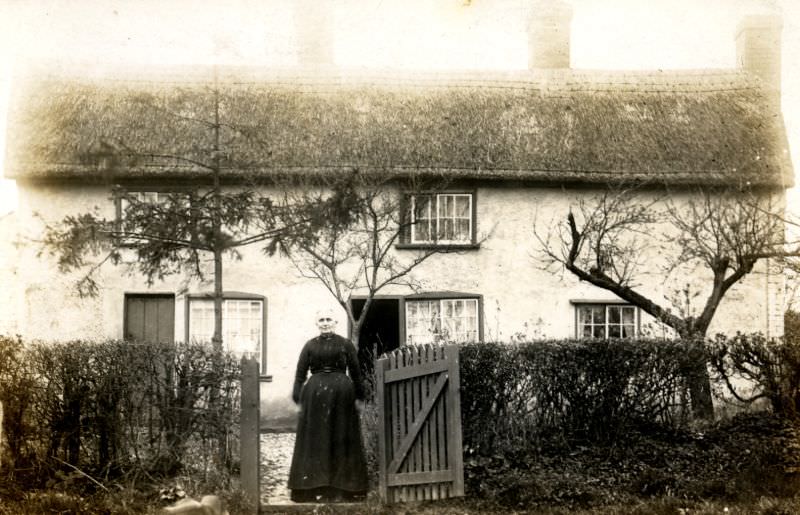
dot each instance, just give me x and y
(383, 426)
(249, 432)
(454, 415)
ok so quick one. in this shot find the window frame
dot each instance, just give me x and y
(606, 304)
(242, 296)
(410, 200)
(121, 192)
(440, 297)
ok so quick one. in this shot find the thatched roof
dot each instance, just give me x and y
(552, 125)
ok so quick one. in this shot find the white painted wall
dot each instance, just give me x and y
(519, 299)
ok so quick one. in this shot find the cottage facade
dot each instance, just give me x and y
(519, 150)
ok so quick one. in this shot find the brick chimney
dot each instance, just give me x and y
(758, 50)
(314, 32)
(549, 34)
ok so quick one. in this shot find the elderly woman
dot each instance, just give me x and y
(328, 462)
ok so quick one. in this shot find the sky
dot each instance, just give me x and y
(382, 34)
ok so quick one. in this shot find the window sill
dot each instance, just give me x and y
(434, 246)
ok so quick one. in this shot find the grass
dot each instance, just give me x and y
(47, 503)
(130, 501)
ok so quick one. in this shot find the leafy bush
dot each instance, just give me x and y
(588, 423)
(369, 431)
(17, 391)
(753, 367)
(586, 389)
(80, 410)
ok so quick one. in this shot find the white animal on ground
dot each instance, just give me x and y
(208, 505)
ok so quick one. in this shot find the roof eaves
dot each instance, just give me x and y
(671, 177)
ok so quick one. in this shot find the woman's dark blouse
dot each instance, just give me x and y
(328, 352)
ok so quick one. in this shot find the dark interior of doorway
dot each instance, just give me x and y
(380, 332)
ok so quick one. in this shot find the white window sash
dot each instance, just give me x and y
(427, 219)
(606, 324)
(422, 321)
(142, 197)
(463, 324)
(242, 325)
(440, 199)
(435, 219)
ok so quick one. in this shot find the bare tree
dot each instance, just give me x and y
(713, 235)
(355, 253)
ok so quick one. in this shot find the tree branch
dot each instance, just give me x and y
(600, 279)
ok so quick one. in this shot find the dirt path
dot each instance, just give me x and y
(276, 457)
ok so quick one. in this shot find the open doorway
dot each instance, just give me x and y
(380, 332)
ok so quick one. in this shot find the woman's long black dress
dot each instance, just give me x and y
(328, 461)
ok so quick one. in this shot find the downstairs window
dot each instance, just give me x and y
(243, 324)
(441, 320)
(601, 320)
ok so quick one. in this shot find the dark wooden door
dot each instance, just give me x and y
(150, 318)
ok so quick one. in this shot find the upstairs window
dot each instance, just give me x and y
(442, 219)
(150, 197)
(607, 321)
(125, 198)
(441, 320)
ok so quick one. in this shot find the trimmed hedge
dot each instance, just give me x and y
(113, 408)
(587, 422)
(584, 389)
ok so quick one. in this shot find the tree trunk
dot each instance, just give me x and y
(217, 227)
(216, 340)
(215, 401)
(73, 427)
(699, 380)
(355, 337)
(700, 391)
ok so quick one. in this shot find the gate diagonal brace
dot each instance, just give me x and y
(419, 419)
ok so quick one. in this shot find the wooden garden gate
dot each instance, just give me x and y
(419, 441)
